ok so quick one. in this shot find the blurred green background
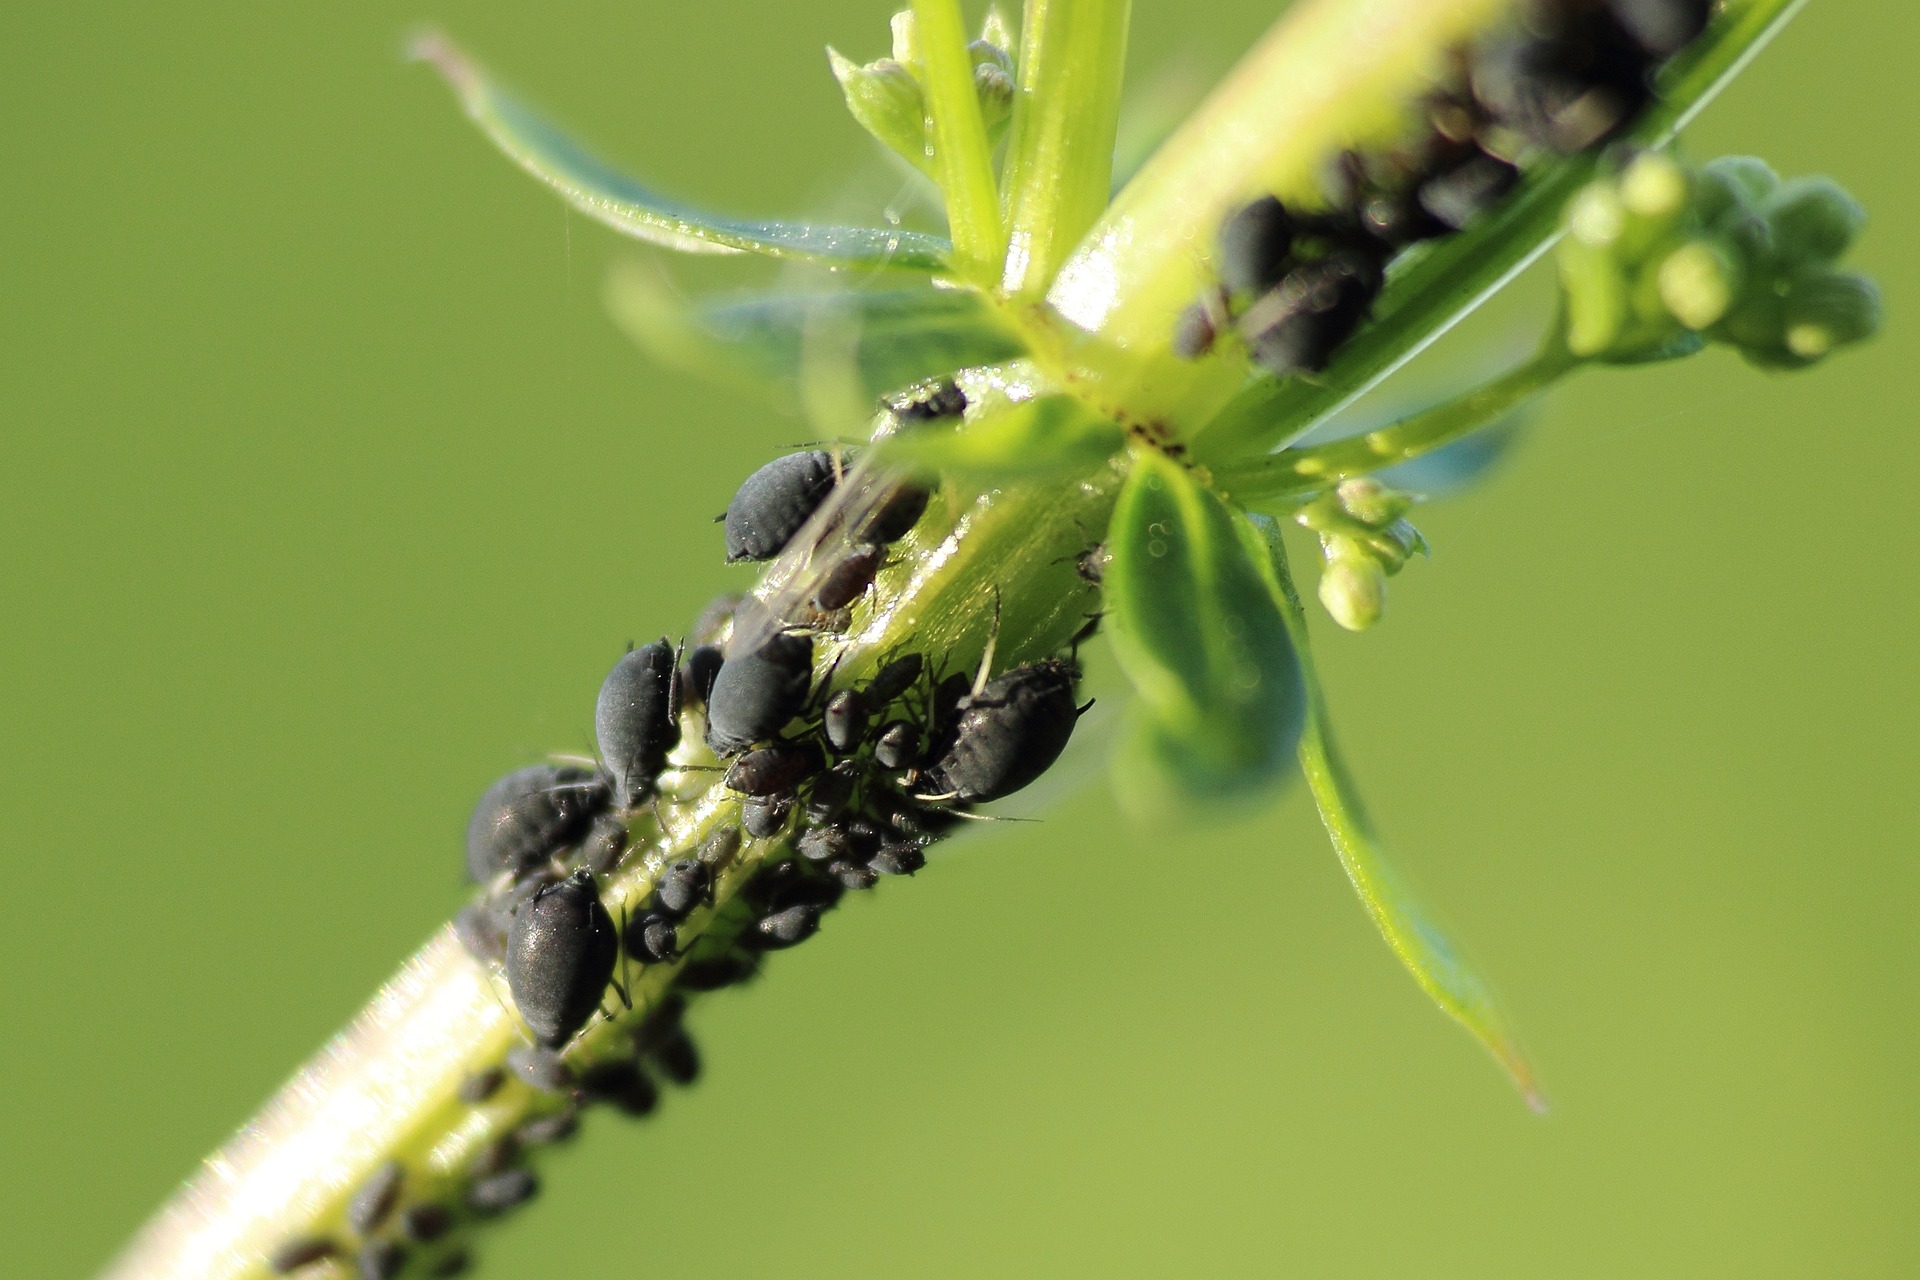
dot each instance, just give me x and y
(327, 493)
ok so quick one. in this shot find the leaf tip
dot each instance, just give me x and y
(433, 47)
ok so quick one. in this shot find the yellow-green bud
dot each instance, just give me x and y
(1654, 186)
(1596, 297)
(1732, 183)
(1597, 217)
(906, 39)
(1830, 310)
(1698, 283)
(1353, 589)
(887, 101)
(1813, 220)
(1372, 503)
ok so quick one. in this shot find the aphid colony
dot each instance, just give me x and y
(1296, 283)
(854, 781)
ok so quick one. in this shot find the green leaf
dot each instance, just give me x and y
(1198, 632)
(962, 156)
(1017, 440)
(604, 193)
(1421, 945)
(832, 352)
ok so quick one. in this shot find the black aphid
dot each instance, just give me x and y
(764, 817)
(853, 875)
(636, 720)
(1091, 564)
(675, 1054)
(783, 929)
(529, 816)
(381, 1259)
(682, 886)
(604, 846)
(561, 950)
(1662, 27)
(481, 1085)
(1009, 733)
(849, 579)
(756, 694)
(717, 850)
(894, 516)
(654, 939)
(376, 1198)
(1256, 242)
(844, 722)
(425, 1223)
(831, 792)
(494, 1157)
(622, 1085)
(1194, 331)
(1299, 325)
(824, 844)
(502, 1191)
(892, 680)
(545, 1130)
(775, 501)
(898, 859)
(897, 746)
(767, 771)
(789, 884)
(1467, 190)
(302, 1251)
(927, 401)
(481, 932)
(540, 1069)
(698, 671)
(712, 973)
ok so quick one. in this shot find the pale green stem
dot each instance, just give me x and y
(387, 1088)
(1297, 472)
(962, 157)
(1066, 107)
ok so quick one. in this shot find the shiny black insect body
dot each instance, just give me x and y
(683, 885)
(898, 859)
(381, 1259)
(698, 671)
(849, 578)
(897, 746)
(561, 951)
(376, 1198)
(928, 401)
(1256, 243)
(1298, 326)
(1009, 733)
(654, 939)
(844, 722)
(775, 501)
(636, 720)
(893, 679)
(300, 1252)
(832, 791)
(755, 694)
(502, 1191)
(712, 973)
(764, 817)
(824, 844)
(622, 1084)
(773, 770)
(788, 927)
(539, 1068)
(894, 516)
(529, 816)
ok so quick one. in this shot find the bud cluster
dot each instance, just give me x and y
(889, 100)
(1658, 260)
(1365, 538)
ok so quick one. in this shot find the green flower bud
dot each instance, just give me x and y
(1730, 184)
(1353, 588)
(1654, 187)
(1596, 216)
(993, 81)
(1698, 283)
(1372, 503)
(1595, 294)
(1829, 310)
(888, 102)
(1813, 221)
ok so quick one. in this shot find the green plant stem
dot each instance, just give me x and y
(961, 156)
(1433, 288)
(388, 1087)
(1297, 472)
(1066, 108)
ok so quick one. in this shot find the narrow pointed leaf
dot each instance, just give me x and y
(1198, 632)
(794, 344)
(604, 193)
(1409, 929)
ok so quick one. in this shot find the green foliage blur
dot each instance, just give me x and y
(328, 492)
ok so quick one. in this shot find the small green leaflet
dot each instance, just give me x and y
(1420, 943)
(1201, 637)
(604, 193)
(861, 342)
